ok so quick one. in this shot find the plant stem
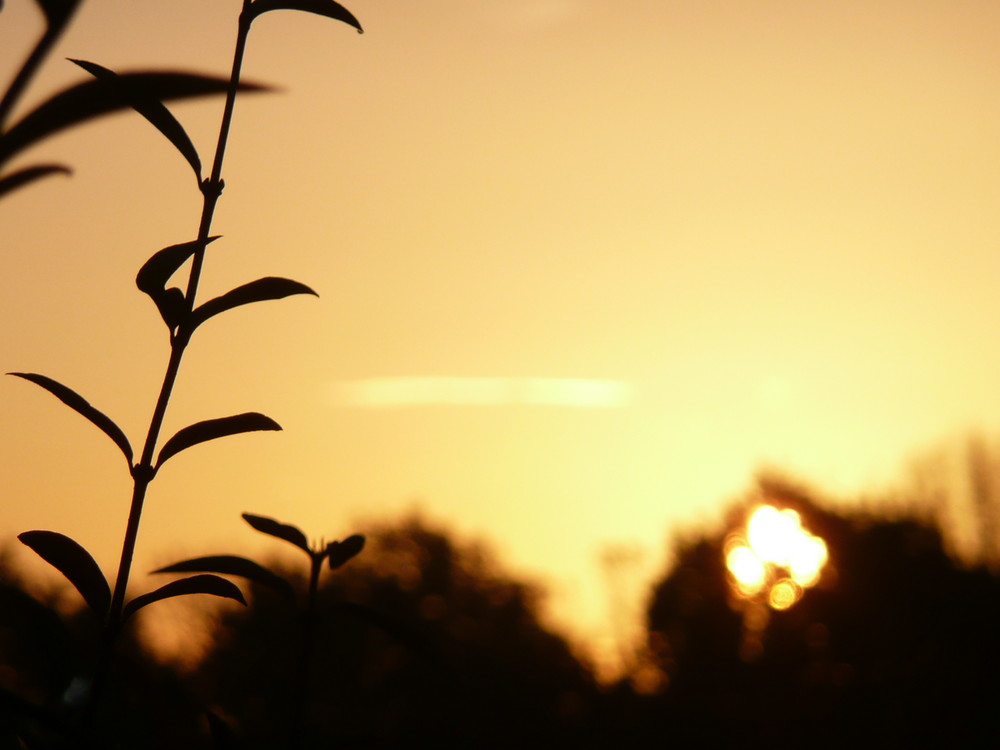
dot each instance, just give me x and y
(142, 475)
(144, 471)
(305, 654)
(212, 187)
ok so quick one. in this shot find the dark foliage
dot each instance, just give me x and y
(896, 648)
(420, 644)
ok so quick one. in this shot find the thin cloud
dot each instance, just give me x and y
(396, 392)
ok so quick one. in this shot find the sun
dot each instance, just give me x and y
(774, 558)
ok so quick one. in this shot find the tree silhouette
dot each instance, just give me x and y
(896, 647)
(421, 642)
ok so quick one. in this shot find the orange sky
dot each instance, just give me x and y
(771, 225)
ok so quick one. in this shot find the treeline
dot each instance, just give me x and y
(423, 641)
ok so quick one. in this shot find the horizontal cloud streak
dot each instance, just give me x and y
(465, 391)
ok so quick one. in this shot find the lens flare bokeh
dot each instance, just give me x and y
(774, 558)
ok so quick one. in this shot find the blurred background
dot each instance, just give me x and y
(584, 270)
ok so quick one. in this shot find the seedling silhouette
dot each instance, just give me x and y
(335, 554)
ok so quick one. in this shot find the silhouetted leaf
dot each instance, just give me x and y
(152, 109)
(202, 584)
(233, 565)
(74, 562)
(57, 16)
(339, 553)
(76, 402)
(268, 288)
(163, 264)
(58, 12)
(156, 272)
(284, 531)
(326, 8)
(93, 98)
(211, 429)
(29, 174)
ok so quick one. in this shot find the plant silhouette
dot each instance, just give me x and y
(420, 641)
(180, 309)
(335, 554)
(423, 641)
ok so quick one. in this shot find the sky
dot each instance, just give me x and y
(584, 268)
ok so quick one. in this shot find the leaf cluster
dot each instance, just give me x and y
(109, 92)
(335, 554)
(147, 93)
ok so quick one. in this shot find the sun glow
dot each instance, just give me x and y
(774, 557)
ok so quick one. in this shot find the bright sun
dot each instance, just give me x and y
(774, 557)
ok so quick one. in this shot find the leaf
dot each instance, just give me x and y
(326, 8)
(284, 531)
(156, 272)
(152, 109)
(93, 98)
(233, 565)
(163, 264)
(268, 288)
(76, 402)
(210, 429)
(57, 17)
(57, 12)
(74, 562)
(339, 553)
(202, 584)
(29, 174)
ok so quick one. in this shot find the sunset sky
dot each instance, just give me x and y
(584, 267)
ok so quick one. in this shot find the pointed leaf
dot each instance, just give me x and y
(211, 429)
(284, 531)
(156, 272)
(339, 553)
(202, 584)
(152, 109)
(74, 562)
(29, 174)
(93, 98)
(76, 402)
(233, 565)
(268, 288)
(326, 8)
